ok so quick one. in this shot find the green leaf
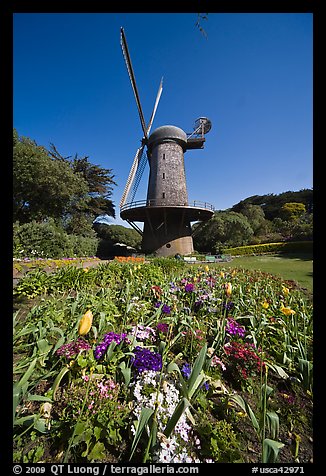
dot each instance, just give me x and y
(109, 352)
(97, 432)
(247, 409)
(178, 411)
(273, 424)
(44, 348)
(26, 420)
(306, 370)
(38, 398)
(172, 366)
(28, 373)
(41, 425)
(271, 449)
(281, 372)
(126, 375)
(57, 381)
(145, 415)
(97, 453)
(16, 397)
(80, 427)
(194, 379)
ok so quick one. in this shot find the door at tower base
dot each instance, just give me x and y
(167, 238)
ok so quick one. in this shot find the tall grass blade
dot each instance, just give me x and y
(145, 415)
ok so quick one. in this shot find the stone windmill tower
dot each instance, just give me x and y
(166, 212)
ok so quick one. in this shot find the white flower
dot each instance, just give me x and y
(147, 395)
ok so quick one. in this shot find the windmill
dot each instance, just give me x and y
(166, 212)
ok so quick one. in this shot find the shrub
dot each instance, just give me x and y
(282, 247)
(49, 240)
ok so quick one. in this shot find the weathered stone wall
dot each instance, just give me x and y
(167, 181)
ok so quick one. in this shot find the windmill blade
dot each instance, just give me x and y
(131, 175)
(138, 175)
(126, 55)
(155, 107)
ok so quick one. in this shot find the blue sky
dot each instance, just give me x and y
(251, 76)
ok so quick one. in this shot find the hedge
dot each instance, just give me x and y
(281, 247)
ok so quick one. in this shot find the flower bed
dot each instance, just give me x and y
(162, 363)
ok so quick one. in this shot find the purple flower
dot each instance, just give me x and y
(228, 306)
(233, 328)
(162, 327)
(100, 349)
(205, 385)
(165, 308)
(73, 348)
(186, 370)
(189, 287)
(145, 359)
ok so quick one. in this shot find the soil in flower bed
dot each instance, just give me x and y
(301, 409)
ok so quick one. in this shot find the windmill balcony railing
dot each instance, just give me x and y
(155, 202)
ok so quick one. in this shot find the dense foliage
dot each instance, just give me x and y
(258, 219)
(271, 203)
(111, 234)
(161, 362)
(49, 240)
(46, 185)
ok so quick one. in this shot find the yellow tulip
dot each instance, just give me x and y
(206, 268)
(285, 290)
(85, 323)
(228, 289)
(287, 311)
(265, 305)
(222, 274)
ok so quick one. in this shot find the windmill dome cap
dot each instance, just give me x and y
(167, 132)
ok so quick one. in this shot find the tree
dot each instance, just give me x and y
(256, 217)
(292, 211)
(46, 184)
(42, 187)
(118, 234)
(272, 204)
(100, 185)
(223, 229)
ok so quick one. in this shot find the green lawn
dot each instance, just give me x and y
(295, 267)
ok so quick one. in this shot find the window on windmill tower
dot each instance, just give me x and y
(163, 195)
(163, 156)
(163, 176)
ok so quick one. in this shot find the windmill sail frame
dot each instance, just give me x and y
(140, 160)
